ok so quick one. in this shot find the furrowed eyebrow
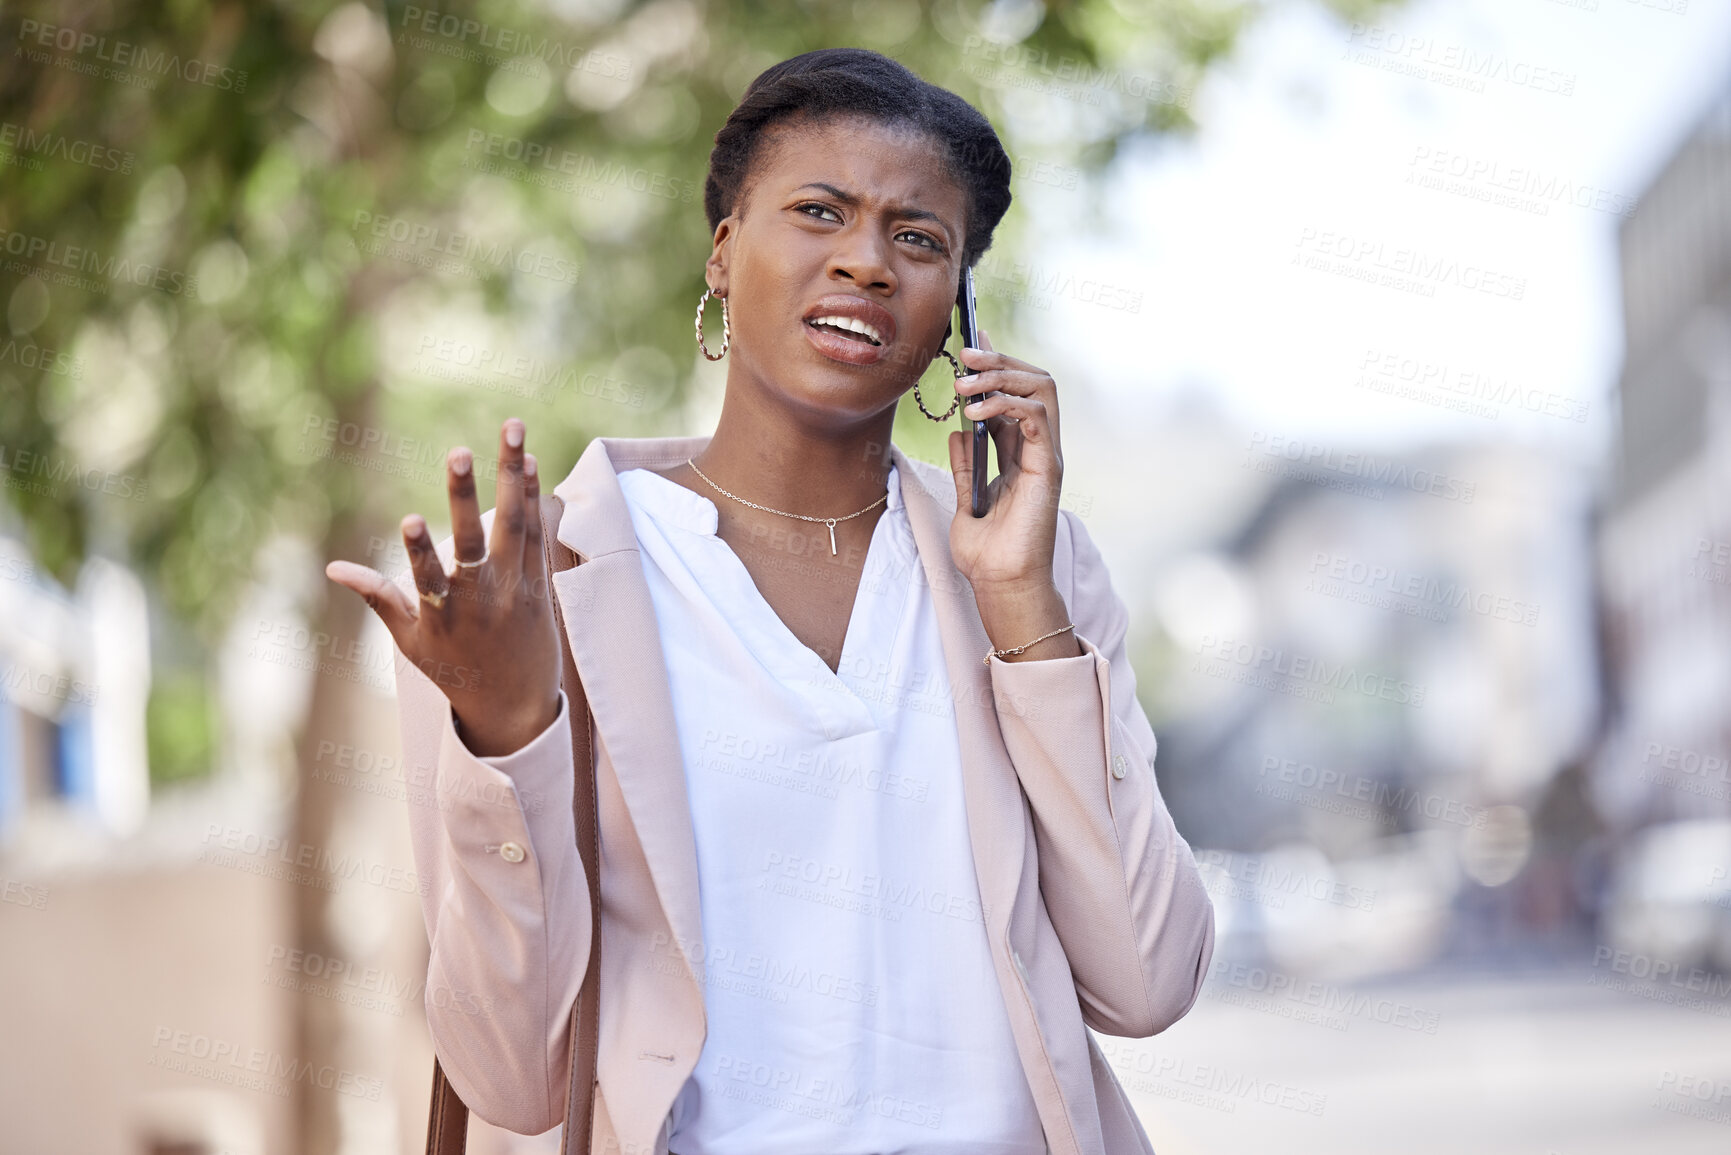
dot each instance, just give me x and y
(907, 212)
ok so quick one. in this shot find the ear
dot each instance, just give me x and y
(715, 269)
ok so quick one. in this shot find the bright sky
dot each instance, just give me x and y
(1307, 142)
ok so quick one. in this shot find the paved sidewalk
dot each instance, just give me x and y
(1552, 1063)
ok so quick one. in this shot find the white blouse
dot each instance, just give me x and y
(852, 1005)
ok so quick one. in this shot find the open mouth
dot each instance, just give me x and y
(849, 328)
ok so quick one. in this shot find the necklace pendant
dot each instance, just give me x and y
(831, 524)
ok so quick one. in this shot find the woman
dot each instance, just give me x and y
(879, 825)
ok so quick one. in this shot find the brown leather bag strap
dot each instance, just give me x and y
(586, 1012)
(447, 1116)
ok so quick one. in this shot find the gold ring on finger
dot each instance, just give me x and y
(437, 601)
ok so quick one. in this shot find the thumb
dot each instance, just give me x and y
(386, 598)
(961, 468)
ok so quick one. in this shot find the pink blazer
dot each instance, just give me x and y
(1092, 902)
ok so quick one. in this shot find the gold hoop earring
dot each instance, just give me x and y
(945, 415)
(726, 327)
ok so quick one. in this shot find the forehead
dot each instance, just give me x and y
(871, 159)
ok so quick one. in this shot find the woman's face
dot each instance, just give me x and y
(850, 220)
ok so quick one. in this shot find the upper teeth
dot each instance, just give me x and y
(856, 326)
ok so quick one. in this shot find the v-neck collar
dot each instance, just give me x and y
(874, 619)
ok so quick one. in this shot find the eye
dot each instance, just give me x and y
(821, 208)
(922, 238)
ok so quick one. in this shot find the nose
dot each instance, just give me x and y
(861, 258)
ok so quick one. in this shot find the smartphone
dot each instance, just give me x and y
(968, 326)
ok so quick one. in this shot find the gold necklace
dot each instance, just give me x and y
(829, 521)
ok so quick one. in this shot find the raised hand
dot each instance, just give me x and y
(1007, 554)
(1012, 545)
(483, 633)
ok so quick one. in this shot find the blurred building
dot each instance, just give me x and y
(1432, 646)
(1373, 675)
(1665, 549)
(72, 738)
(1375, 681)
(1664, 768)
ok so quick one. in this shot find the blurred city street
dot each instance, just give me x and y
(1524, 1061)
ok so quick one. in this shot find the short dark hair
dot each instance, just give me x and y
(859, 82)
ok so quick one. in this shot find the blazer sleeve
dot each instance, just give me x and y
(1120, 884)
(509, 939)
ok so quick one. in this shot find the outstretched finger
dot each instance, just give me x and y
(387, 599)
(424, 563)
(511, 513)
(534, 552)
(467, 537)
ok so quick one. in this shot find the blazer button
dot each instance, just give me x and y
(1118, 766)
(512, 852)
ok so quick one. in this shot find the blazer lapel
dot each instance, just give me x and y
(991, 792)
(614, 638)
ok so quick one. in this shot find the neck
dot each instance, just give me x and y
(765, 454)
